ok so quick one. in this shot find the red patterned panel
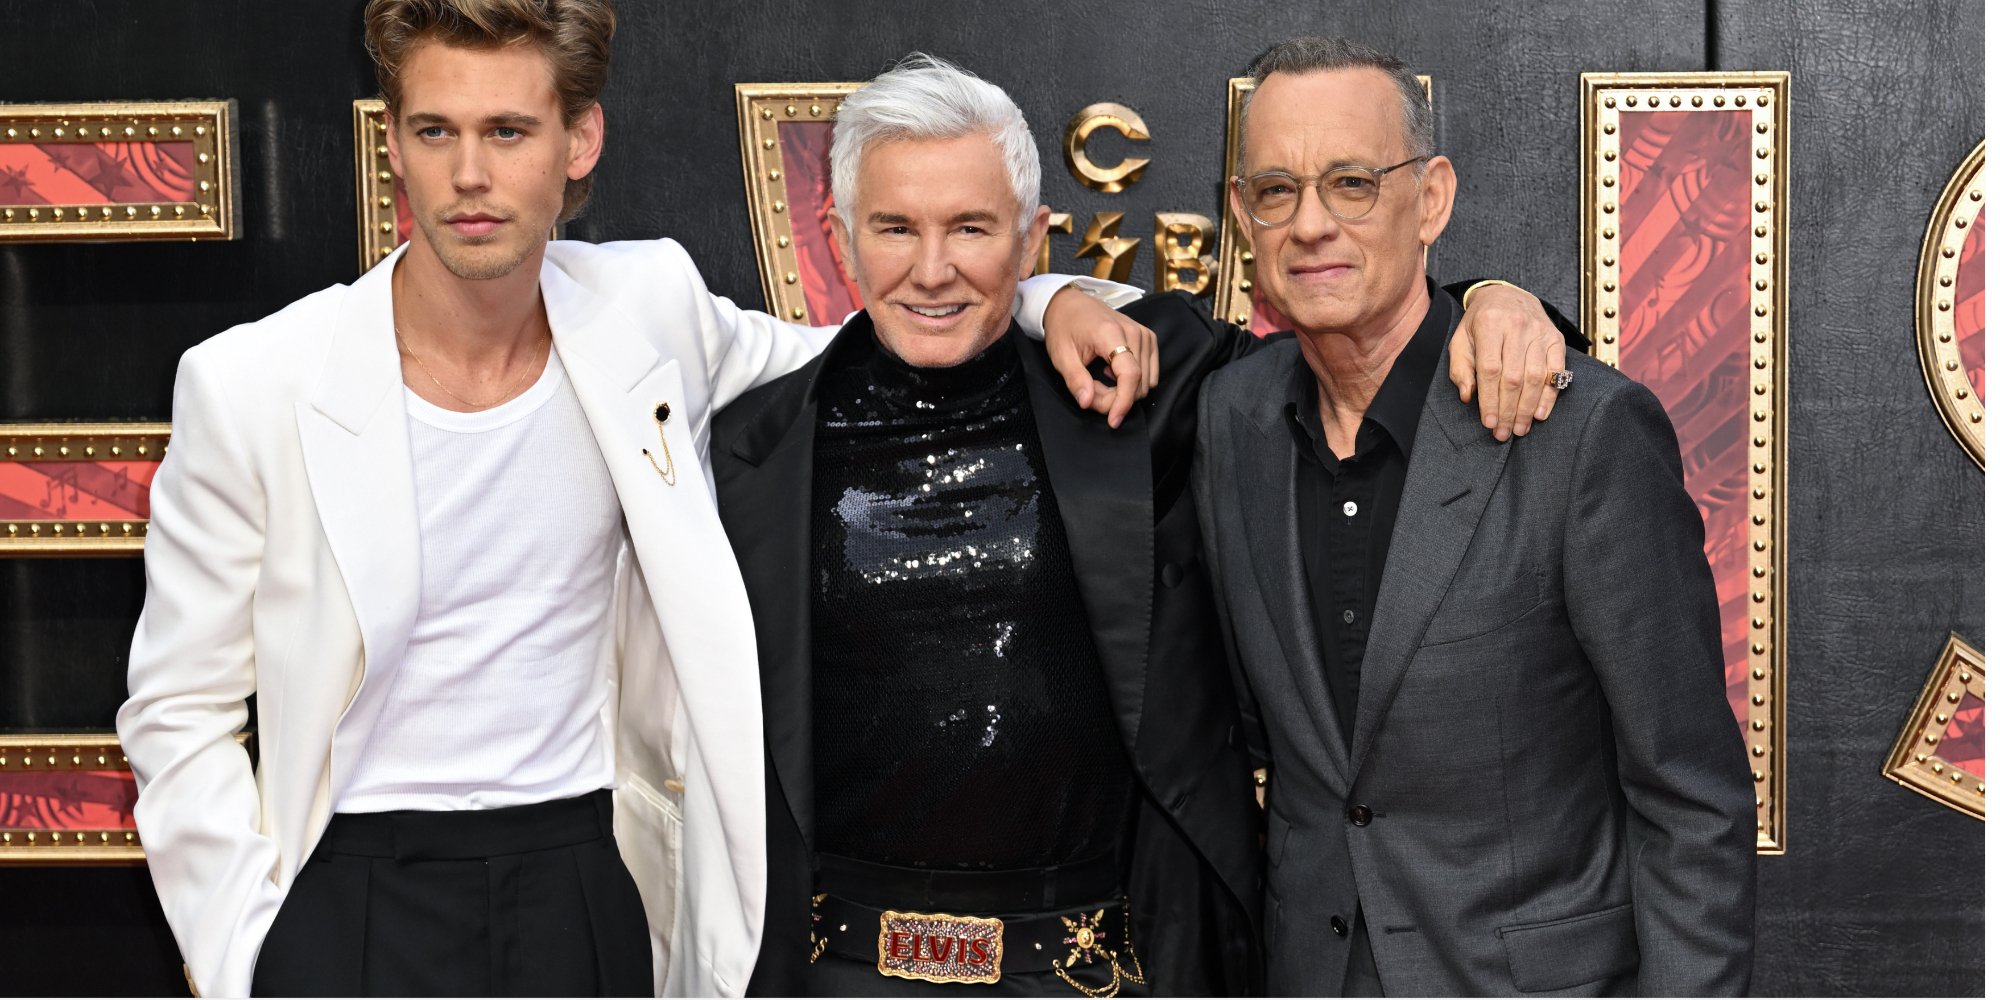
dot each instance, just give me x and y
(67, 800)
(1971, 308)
(1684, 271)
(830, 295)
(76, 491)
(96, 173)
(1963, 745)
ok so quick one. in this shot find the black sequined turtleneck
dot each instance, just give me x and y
(960, 718)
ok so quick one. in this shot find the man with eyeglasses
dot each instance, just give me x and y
(1487, 674)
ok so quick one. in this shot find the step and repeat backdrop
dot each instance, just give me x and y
(1775, 219)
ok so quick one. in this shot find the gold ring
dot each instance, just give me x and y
(1560, 378)
(1116, 351)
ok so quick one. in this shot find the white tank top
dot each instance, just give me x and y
(503, 697)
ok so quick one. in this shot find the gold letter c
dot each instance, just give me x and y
(1096, 116)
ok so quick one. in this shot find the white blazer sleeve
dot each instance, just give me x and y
(741, 348)
(192, 668)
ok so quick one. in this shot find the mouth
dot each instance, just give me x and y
(935, 315)
(1329, 271)
(473, 225)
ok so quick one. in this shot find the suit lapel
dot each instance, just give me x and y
(620, 379)
(356, 445)
(776, 456)
(1454, 467)
(1267, 466)
(1102, 482)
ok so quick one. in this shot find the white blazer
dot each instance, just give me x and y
(282, 561)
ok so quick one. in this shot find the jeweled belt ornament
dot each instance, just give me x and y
(939, 947)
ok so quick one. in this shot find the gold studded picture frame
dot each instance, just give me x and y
(787, 133)
(1941, 752)
(77, 489)
(1683, 243)
(1236, 297)
(67, 798)
(117, 172)
(381, 211)
(1951, 305)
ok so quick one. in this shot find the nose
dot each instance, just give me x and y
(1313, 223)
(468, 169)
(934, 267)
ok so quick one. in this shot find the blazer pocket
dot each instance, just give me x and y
(647, 825)
(1490, 610)
(1276, 832)
(1559, 954)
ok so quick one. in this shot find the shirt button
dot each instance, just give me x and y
(1347, 616)
(1350, 508)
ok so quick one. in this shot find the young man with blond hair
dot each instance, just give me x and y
(452, 526)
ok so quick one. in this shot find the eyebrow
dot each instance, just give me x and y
(895, 219)
(1324, 166)
(511, 119)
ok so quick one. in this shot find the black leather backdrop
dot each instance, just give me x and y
(1881, 890)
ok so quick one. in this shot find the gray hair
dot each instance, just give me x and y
(1316, 53)
(924, 97)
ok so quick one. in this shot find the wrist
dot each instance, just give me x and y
(1466, 299)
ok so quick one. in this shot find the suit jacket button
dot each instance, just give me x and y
(1360, 815)
(1339, 927)
(1171, 574)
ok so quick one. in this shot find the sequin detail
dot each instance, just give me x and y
(960, 718)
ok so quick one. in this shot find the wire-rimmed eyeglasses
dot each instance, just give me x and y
(1348, 191)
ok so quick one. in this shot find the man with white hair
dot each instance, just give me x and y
(1002, 750)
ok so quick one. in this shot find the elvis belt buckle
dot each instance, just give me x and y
(939, 947)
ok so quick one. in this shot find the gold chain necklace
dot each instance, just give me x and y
(503, 397)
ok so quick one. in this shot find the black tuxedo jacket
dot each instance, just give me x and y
(1124, 499)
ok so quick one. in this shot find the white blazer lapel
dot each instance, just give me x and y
(698, 595)
(356, 445)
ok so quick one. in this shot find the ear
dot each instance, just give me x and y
(843, 239)
(395, 142)
(1236, 209)
(1439, 193)
(586, 143)
(1031, 245)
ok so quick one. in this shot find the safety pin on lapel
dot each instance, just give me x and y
(661, 412)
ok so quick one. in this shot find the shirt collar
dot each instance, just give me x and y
(1398, 405)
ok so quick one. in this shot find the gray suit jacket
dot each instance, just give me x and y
(1555, 791)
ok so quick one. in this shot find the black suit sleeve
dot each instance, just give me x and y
(1232, 341)
(1572, 336)
(1642, 603)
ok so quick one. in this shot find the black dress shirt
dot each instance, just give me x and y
(1347, 507)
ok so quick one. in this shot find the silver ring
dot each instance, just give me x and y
(1560, 378)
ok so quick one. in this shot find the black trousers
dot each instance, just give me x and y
(522, 901)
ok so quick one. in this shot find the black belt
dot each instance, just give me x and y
(1036, 943)
(949, 925)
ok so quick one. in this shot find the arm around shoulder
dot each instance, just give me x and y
(741, 348)
(192, 669)
(1642, 602)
